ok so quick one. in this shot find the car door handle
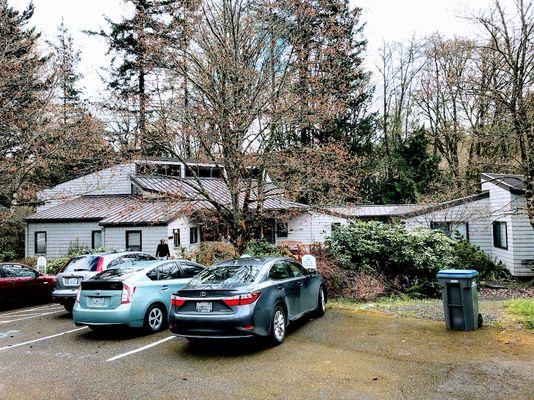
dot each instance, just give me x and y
(165, 288)
(301, 283)
(280, 287)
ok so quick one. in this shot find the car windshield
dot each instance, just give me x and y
(117, 273)
(227, 274)
(81, 263)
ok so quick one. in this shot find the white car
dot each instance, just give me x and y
(81, 268)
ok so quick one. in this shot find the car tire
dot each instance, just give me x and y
(69, 306)
(155, 318)
(278, 330)
(97, 328)
(321, 302)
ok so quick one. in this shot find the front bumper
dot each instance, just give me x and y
(99, 317)
(216, 325)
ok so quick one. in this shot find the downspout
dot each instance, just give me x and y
(27, 242)
(311, 229)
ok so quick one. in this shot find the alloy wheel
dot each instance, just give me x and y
(155, 318)
(323, 301)
(279, 325)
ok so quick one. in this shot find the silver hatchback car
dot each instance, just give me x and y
(81, 268)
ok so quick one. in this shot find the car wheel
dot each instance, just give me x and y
(69, 306)
(278, 326)
(321, 302)
(155, 318)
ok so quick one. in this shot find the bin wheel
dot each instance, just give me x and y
(480, 320)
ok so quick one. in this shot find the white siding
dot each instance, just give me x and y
(59, 236)
(115, 237)
(113, 180)
(522, 237)
(501, 206)
(311, 227)
(181, 223)
(476, 214)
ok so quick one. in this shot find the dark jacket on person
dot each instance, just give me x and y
(163, 250)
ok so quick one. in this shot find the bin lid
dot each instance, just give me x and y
(457, 273)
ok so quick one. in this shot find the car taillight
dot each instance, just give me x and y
(100, 264)
(177, 301)
(78, 293)
(241, 300)
(127, 292)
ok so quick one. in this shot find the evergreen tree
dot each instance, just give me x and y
(415, 171)
(330, 87)
(66, 60)
(135, 46)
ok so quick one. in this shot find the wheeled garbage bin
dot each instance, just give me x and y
(460, 299)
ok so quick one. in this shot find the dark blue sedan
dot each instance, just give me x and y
(247, 297)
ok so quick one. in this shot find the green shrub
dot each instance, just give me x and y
(262, 248)
(409, 260)
(53, 266)
(469, 256)
(7, 255)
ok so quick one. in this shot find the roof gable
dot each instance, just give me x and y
(514, 183)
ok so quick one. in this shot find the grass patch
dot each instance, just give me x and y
(522, 310)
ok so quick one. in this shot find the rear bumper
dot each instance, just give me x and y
(117, 316)
(63, 295)
(217, 325)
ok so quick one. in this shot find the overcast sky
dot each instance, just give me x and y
(386, 20)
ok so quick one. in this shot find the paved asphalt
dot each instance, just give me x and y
(344, 355)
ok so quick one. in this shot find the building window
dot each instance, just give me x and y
(193, 234)
(96, 239)
(451, 228)
(134, 241)
(281, 229)
(176, 237)
(500, 235)
(40, 242)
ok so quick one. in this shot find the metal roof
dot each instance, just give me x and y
(512, 182)
(428, 208)
(110, 210)
(374, 211)
(214, 189)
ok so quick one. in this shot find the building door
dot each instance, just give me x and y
(269, 230)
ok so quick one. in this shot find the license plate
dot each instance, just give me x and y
(204, 306)
(98, 301)
(71, 281)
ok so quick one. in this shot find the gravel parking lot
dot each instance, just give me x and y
(344, 355)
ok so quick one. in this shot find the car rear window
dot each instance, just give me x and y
(82, 263)
(227, 274)
(117, 273)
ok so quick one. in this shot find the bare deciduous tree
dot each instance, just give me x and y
(509, 40)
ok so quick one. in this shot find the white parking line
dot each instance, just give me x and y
(32, 316)
(42, 308)
(139, 349)
(40, 339)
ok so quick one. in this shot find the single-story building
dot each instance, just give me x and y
(135, 205)
(495, 219)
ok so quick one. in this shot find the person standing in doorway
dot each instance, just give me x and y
(162, 252)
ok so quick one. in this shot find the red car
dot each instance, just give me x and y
(19, 283)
